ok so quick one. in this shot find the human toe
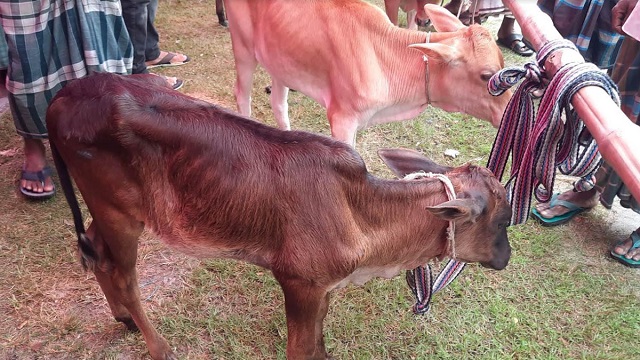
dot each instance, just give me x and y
(550, 212)
(622, 248)
(542, 207)
(630, 247)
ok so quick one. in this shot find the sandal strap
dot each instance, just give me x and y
(37, 175)
(555, 201)
(167, 58)
(635, 240)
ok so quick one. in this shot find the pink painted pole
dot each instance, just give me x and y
(616, 135)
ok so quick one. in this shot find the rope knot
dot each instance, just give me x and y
(508, 77)
(533, 72)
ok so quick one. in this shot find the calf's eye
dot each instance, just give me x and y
(486, 76)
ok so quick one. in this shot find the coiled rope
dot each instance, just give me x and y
(538, 144)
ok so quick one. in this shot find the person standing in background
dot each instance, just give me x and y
(626, 74)
(587, 24)
(49, 43)
(476, 11)
(139, 17)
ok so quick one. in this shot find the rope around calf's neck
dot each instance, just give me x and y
(420, 279)
(425, 58)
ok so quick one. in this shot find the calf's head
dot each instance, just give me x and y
(460, 66)
(480, 211)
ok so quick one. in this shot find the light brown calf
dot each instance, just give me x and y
(212, 183)
(222, 18)
(348, 56)
(413, 8)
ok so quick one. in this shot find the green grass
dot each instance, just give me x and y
(561, 297)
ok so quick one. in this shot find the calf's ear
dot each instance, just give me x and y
(442, 19)
(459, 209)
(438, 52)
(404, 161)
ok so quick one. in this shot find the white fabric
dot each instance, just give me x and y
(632, 25)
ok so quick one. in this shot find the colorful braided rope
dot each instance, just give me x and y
(554, 138)
(420, 279)
(538, 144)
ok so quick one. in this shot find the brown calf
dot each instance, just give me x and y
(215, 184)
(348, 57)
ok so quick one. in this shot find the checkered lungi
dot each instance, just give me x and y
(53, 41)
(4, 52)
(586, 23)
(626, 75)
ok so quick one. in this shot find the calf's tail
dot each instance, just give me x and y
(88, 254)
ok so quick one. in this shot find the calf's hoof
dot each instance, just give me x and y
(169, 355)
(162, 352)
(129, 323)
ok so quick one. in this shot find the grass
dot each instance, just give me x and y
(561, 297)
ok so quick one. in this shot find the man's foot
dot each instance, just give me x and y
(168, 59)
(35, 181)
(516, 44)
(563, 207)
(172, 81)
(628, 251)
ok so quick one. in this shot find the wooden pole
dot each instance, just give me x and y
(617, 137)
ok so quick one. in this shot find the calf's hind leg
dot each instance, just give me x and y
(245, 66)
(279, 104)
(115, 239)
(102, 272)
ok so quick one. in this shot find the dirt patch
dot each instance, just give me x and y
(57, 305)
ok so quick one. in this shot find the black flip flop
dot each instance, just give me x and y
(514, 43)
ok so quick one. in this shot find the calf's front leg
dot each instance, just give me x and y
(306, 306)
(344, 124)
(391, 8)
(222, 19)
(412, 21)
